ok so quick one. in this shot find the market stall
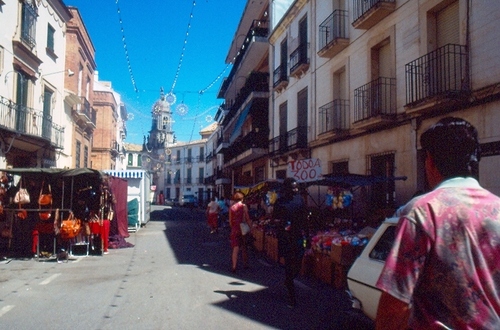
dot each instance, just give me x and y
(47, 210)
(336, 234)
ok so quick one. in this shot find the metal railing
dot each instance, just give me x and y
(440, 72)
(376, 98)
(334, 116)
(29, 121)
(332, 28)
(299, 56)
(280, 74)
(361, 7)
(85, 109)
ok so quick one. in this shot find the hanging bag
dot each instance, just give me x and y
(22, 196)
(70, 227)
(45, 199)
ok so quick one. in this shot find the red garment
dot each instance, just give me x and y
(212, 220)
(105, 235)
(236, 213)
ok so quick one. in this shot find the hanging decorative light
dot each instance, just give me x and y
(182, 109)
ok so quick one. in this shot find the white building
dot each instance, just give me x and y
(32, 74)
(356, 82)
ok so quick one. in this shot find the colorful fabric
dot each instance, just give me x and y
(445, 259)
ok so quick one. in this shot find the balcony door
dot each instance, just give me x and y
(48, 98)
(22, 90)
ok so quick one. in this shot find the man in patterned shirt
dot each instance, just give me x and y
(443, 271)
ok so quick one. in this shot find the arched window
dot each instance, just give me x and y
(139, 160)
(130, 159)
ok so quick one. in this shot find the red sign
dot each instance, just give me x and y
(304, 170)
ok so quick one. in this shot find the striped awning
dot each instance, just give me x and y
(127, 174)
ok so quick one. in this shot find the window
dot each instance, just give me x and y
(283, 126)
(50, 38)
(178, 160)
(189, 179)
(139, 160)
(130, 160)
(28, 24)
(22, 92)
(77, 154)
(189, 155)
(383, 192)
(1, 59)
(339, 168)
(86, 156)
(384, 244)
(201, 175)
(202, 154)
(48, 98)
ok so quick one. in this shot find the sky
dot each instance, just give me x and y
(178, 45)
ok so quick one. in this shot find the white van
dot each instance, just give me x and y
(366, 269)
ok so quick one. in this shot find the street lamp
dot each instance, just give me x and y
(68, 71)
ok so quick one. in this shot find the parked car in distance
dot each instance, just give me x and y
(188, 200)
(171, 202)
(366, 269)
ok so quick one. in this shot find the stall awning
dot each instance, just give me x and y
(353, 180)
(127, 174)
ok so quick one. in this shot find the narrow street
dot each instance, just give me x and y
(176, 276)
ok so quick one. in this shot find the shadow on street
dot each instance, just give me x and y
(319, 306)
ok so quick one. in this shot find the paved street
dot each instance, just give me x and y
(176, 276)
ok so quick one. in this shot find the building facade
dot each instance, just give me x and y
(80, 59)
(355, 83)
(32, 78)
(242, 148)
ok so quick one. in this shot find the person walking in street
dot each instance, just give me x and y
(238, 213)
(442, 271)
(290, 209)
(212, 214)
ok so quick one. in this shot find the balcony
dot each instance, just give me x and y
(280, 78)
(255, 83)
(334, 117)
(247, 148)
(437, 78)
(223, 176)
(250, 54)
(290, 142)
(115, 148)
(85, 113)
(30, 123)
(367, 13)
(299, 60)
(333, 36)
(375, 103)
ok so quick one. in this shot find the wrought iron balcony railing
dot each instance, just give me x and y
(280, 75)
(291, 140)
(299, 57)
(29, 121)
(333, 28)
(377, 98)
(439, 73)
(84, 109)
(367, 13)
(334, 116)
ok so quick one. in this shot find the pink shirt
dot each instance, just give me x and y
(445, 261)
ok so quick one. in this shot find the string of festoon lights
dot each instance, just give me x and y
(131, 73)
(182, 109)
